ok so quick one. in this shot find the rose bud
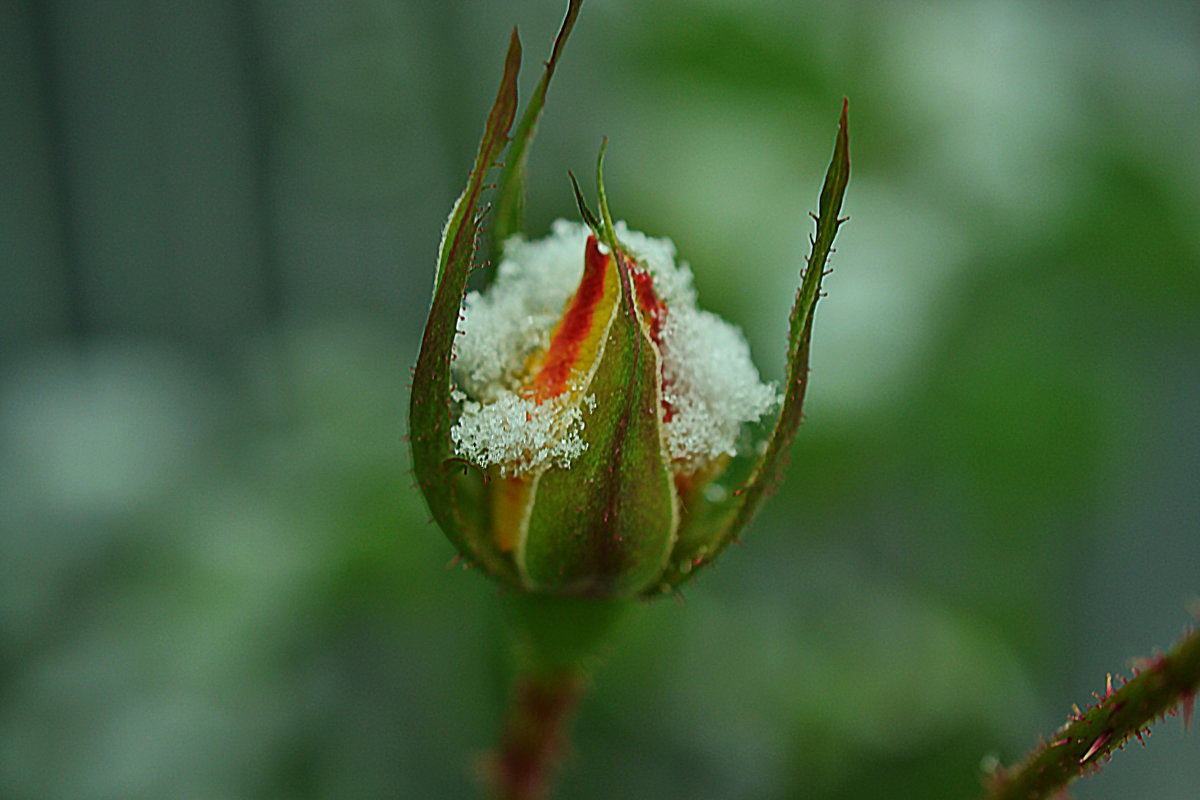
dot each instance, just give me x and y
(575, 425)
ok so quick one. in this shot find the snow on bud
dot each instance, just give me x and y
(571, 424)
(709, 384)
(594, 391)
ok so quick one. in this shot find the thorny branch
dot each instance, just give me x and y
(1160, 684)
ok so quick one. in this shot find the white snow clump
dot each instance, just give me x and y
(709, 380)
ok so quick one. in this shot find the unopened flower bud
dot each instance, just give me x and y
(595, 394)
(571, 425)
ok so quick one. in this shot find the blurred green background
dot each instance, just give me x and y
(218, 229)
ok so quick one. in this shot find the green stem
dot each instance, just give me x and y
(1089, 737)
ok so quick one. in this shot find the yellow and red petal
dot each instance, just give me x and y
(578, 338)
(510, 509)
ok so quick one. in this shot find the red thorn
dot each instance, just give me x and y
(1188, 705)
(1101, 740)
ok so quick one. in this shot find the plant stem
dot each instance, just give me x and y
(558, 641)
(536, 733)
(1089, 737)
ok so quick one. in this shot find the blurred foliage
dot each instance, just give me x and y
(220, 228)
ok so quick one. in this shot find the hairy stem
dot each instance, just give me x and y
(535, 736)
(1089, 737)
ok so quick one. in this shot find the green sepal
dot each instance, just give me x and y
(451, 488)
(605, 525)
(455, 490)
(608, 233)
(589, 218)
(508, 212)
(709, 525)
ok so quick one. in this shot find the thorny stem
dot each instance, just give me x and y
(1089, 737)
(535, 737)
